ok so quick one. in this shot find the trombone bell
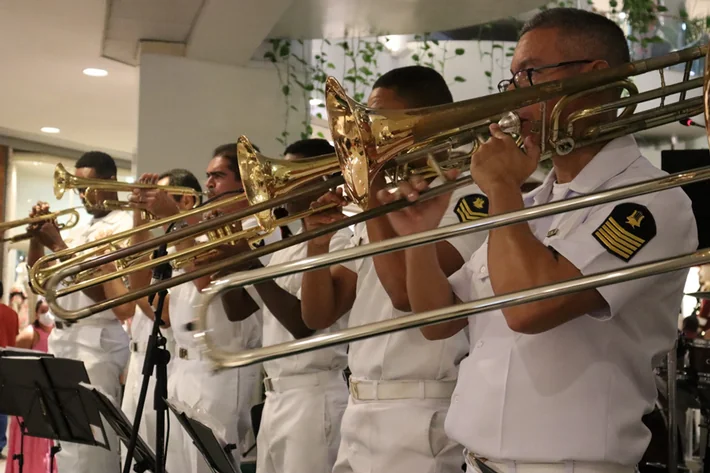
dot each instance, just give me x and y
(265, 178)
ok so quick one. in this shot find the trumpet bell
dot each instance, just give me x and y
(61, 179)
(266, 178)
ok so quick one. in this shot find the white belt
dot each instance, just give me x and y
(308, 380)
(387, 390)
(188, 353)
(522, 467)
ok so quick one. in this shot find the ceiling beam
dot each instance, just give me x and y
(229, 31)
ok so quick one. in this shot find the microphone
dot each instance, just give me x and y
(689, 122)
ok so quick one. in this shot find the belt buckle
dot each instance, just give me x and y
(268, 384)
(353, 389)
(182, 353)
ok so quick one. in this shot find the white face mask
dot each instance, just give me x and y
(46, 319)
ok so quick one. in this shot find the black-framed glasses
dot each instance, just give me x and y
(524, 78)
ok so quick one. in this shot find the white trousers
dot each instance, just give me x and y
(396, 436)
(132, 391)
(300, 427)
(191, 382)
(104, 351)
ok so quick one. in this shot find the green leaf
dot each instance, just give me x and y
(460, 51)
(459, 79)
(661, 8)
(285, 50)
(319, 115)
(270, 56)
(330, 65)
(321, 105)
(285, 90)
(366, 71)
(326, 42)
(293, 107)
(496, 46)
(320, 134)
(415, 57)
(487, 73)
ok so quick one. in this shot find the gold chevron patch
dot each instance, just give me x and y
(627, 229)
(471, 207)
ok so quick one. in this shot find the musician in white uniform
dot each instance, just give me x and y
(142, 322)
(99, 340)
(401, 383)
(222, 396)
(564, 382)
(306, 394)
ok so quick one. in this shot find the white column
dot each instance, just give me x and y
(189, 107)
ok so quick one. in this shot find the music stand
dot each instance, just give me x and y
(44, 392)
(143, 455)
(207, 443)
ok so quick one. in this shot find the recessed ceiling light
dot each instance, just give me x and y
(49, 129)
(95, 72)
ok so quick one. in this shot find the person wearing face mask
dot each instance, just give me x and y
(35, 450)
(225, 396)
(561, 384)
(99, 341)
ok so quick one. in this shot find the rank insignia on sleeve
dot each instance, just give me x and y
(626, 230)
(471, 207)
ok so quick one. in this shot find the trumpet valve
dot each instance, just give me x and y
(510, 124)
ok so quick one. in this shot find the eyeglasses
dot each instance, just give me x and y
(524, 78)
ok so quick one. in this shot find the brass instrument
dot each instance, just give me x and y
(367, 140)
(70, 223)
(264, 179)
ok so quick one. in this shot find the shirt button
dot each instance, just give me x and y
(483, 269)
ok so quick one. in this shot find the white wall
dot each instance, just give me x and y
(188, 107)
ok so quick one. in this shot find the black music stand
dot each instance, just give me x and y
(45, 393)
(143, 455)
(218, 458)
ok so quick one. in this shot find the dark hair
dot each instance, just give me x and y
(419, 86)
(585, 30)
(310, 148)
(182, 178)
(102, 163)
(229, 152)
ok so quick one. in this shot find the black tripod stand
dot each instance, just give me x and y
(157, 356)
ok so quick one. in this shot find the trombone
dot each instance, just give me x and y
(70, 223)
(264, 180)
(367, 140)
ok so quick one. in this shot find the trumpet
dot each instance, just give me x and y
(70, 223)
(367, 140)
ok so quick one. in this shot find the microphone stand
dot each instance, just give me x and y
(157, 356)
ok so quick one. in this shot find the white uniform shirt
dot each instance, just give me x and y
(407, 355)
(114, 222)
(232, 336)
(332, 358)
(578, 391)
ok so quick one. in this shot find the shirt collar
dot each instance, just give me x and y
(610, 161)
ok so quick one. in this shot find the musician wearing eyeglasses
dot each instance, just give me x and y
(562, 382)
(401, 383)
(225, 396)
(100, 340)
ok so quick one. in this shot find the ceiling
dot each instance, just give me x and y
(45, 45)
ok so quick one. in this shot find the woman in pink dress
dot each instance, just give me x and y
(36, 450)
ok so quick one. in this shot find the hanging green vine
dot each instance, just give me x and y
(426, 56)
